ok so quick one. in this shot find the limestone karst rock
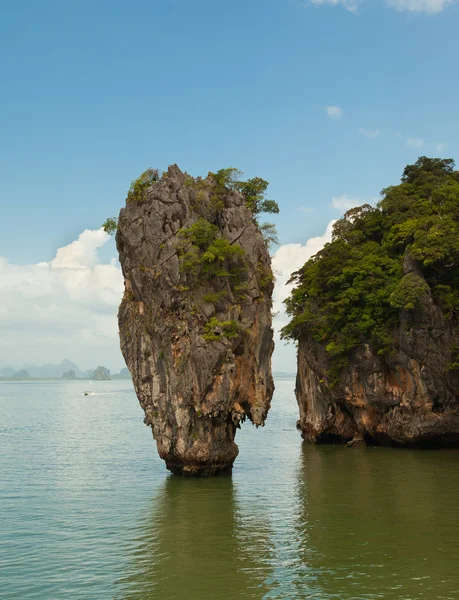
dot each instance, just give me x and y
(101, 374)
(195, 319)
(69, 374)
(409, 397)
(22, 374)
(376, 317)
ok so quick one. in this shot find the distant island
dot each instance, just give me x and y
(67, 370)
(282, 375)
(70, 371)
(22, 374)
(101, 374)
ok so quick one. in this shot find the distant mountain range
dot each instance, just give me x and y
(69, 370)
(66, 369)
(282, 375)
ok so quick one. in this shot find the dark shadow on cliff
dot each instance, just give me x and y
(428, 442)
(191, 544)
(378, 522)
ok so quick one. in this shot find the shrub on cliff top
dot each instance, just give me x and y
(138, 186)
(351, 291)
(254, 191)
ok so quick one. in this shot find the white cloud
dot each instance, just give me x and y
(429, 7)
(414, 142)
(67, 307)
(441, 147)
(420, 6)
(369, 133)
(334, 112)
(350, 5)
(63, 308)
(344, 202)
(288, 259)
(307, 210)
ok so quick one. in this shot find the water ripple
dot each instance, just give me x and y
(87, 510)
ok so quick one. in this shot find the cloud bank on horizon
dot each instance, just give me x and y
(286, 260)
(68, 306)
(65, 307)
(410, 6)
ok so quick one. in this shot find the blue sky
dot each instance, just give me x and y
(94, 92)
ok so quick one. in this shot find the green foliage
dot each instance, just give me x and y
(201, 234)
(227, 178)
(214, 330)
(254, 191)
(207, 255)
(110, 225)
(215, 297)
(218, 254)
(266, 282)
(352, 290)
(136, 192)
(224, 179)
(269, 233)
(409, 291)
(427, 170)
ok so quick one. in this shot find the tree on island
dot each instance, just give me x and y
(351, 291)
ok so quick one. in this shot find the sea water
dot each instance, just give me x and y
(88, 510)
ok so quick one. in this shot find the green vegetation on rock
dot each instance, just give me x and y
(254, 191)
(136, 192)
(214, 330)
(382, 259)
(110, 225)
(205, 254)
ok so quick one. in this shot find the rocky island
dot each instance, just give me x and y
(101, 374)
(195, 319)
(69, 374)
(375, 315)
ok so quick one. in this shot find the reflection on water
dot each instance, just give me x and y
(87, 510)
(192, 543)
(381, 523)
(229, 537)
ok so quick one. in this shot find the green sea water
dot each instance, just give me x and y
(88, 510)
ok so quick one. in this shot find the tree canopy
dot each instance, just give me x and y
(254, 191)
(352, 290)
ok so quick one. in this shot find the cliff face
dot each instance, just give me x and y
(195, 319)
(408, 397)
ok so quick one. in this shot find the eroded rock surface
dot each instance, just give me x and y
(410, 397)
(195, 319)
